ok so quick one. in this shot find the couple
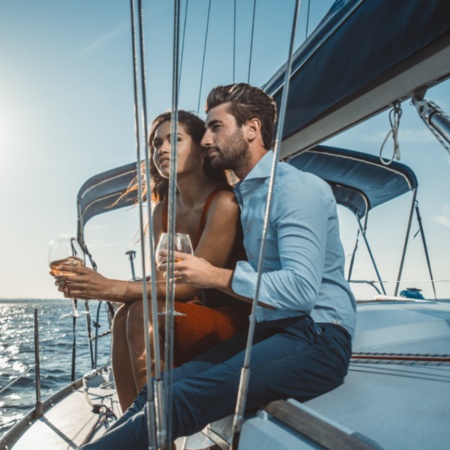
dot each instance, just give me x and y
(207, 211)
(306, 311)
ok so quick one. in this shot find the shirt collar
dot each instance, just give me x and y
(262, 168)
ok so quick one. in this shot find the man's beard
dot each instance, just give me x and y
(233, 155)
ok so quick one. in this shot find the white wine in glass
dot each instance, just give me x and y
(182, 243)
(65, 251)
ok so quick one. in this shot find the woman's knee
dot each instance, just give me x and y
(135, 320)
(120, 319)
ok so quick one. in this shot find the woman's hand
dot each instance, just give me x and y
(84, 283)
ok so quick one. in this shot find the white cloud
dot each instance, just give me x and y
(444, 218)
(104, 39)
(412, 136)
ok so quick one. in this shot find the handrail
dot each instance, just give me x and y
(315, 428)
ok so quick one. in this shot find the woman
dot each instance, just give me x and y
(207, 211)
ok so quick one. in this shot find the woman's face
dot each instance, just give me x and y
(188, 153)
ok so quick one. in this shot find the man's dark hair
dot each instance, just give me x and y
(247, 102)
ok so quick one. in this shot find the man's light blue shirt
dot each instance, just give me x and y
(303, 269)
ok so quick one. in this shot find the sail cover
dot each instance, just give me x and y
(362, 57)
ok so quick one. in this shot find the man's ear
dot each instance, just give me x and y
(253, 127)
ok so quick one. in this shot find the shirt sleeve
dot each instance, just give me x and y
(298, 228)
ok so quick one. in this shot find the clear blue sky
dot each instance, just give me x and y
(66, 113)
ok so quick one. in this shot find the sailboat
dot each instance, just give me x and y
(396, 393)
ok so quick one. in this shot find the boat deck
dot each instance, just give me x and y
(395, 395)
(68, 420)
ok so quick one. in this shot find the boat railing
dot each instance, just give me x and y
(369, 282)
(411, 289)
(36, 367)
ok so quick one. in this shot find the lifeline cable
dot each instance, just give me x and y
(171, 228)
(152, 425)
(245, 373)
(158, 392)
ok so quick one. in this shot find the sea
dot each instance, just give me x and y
(56, 337)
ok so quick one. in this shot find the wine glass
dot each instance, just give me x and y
(182, 243)
(65, 251)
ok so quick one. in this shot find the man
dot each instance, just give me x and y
(306, 311)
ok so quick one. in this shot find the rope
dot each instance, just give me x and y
(394, 119)
(245, 374)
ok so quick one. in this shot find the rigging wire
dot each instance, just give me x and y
(170, 282)
(234, 42)
(184, 39)
(204, 57)
(425, 247)
(251, 43)
(245, 373)
(307, 19)
(152, 424)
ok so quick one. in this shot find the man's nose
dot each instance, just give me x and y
(206, 139)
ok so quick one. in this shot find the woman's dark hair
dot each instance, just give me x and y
(195, 127)
(247, 102)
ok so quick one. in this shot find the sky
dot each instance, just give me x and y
(67, 113)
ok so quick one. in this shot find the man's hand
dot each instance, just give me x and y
(196, 272)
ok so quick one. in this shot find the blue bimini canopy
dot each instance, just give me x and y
(364, 56)
(104, 192)
(359, 181)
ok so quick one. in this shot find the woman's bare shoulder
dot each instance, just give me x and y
(157, 218)
(225, 197)
(226, 204)
(158, 208)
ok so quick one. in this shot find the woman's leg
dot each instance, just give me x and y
(136, 343)
(121, 360)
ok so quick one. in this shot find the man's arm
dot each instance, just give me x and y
(199, 273)
(295, 248)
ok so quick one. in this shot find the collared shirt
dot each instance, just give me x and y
(303, 267)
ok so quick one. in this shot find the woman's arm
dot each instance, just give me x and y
(88, 284)
(215, 246)
(217, 240)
